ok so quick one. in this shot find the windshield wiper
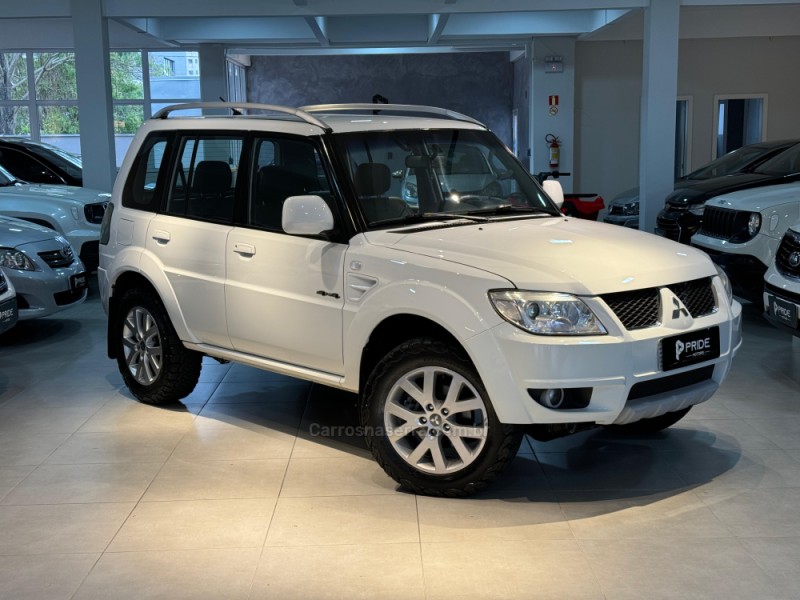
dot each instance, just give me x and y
(430, 216)
(510, 209)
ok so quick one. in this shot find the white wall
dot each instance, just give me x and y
(608, 91)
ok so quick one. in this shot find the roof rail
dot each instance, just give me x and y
(300, 114)
(397, 108)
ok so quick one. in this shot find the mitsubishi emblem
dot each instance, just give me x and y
(794, 260)
(679, 309)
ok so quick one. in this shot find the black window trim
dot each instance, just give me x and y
(166, 165)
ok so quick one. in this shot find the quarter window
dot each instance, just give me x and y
(142, 189)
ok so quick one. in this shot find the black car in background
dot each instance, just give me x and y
(37, 162)
(624, 208)
(682, 214)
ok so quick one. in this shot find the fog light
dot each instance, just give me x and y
(552, 398)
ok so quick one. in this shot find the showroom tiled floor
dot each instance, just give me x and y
(230, 496)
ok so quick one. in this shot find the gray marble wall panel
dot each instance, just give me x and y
(477, 84)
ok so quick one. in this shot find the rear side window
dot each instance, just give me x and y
(204, 182)
(27, 168)
(143, 188)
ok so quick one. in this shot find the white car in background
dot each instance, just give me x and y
(782, 283)
(42, 267)
(73, 212)
(741, 232)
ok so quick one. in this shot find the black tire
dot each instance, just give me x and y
(487, 454)
(165, 371)
(651, 426)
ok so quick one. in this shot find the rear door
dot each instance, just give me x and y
(189, 236)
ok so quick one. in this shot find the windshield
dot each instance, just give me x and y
(67, 162)
(786, 163)
(408, 175)
(732, 162)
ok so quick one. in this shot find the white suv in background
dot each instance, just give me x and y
(462, 319)
(782, 283)
(741, 232)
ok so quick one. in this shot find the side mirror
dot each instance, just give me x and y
(306, 215)
(552, 188)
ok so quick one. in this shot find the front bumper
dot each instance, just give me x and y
(622, 371)
(778, 299)
(622, 220)
(8, 309)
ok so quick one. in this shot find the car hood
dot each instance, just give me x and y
(757, 199)
(15, 232)
(552, 254)
(697, 192)
(626, 197)
(59, 193)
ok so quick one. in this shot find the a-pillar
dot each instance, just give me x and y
(659, 94)
(95, 109)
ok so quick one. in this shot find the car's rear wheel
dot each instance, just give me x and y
(429, 422)
(650, 426)
(155, 365)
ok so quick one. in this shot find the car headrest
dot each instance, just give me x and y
(212, 177)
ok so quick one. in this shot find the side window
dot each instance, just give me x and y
(142, 190)
(282, 168)
(27, 168)
(204, 183)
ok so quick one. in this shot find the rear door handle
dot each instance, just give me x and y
(161, 236)
(244, 249)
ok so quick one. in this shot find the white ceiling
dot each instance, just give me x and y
(339, 26)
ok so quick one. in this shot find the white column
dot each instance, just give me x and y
(213, 73)
(560, 122)
(95, 109)
(659, 94)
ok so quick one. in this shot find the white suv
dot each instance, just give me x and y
(782, 283)
(462, 320)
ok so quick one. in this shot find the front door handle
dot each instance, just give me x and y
(161, 236)
(244, 249)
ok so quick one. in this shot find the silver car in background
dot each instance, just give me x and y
(8, 303)
(42, 266)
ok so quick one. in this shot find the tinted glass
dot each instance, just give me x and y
(142, 188)
(27, 168)
(732, 162)
(204, 183)
(786, 163)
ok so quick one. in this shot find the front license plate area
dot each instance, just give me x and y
(8, 314)
(689, 348)
(783, 311)
(79, 281)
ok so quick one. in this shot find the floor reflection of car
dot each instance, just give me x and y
(461, 172)
(8, 303)
(624, 208)
(43, 268)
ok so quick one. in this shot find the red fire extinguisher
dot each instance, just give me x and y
(553, 146)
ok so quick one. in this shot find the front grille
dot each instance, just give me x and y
(670, 383)
(787, 260)
(615, 210)
(781, 293)
(671, 230)
(3, 283)
(94, 212)
(58, 258)
(639, 309)
(697, 296)
(721, 223)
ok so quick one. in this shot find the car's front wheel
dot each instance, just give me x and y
(155, 365)
(430, 424)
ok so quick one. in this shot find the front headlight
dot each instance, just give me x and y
(14, 259)
(726, 283)
(753, 224)
(545, 313)
(697, 210)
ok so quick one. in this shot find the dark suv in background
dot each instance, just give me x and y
(37, 162)
(682, 214)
